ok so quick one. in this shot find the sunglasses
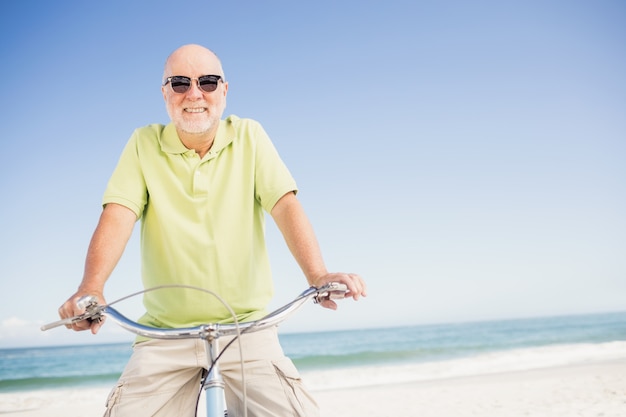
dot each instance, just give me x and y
(181, 84)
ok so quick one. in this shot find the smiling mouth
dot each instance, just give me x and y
(195, 109)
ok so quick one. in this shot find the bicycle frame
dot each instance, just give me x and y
(213, 384)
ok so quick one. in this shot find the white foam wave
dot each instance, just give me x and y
(489, 363)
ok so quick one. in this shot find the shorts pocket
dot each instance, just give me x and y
(286, 369)
(301, 401)
(113, 399)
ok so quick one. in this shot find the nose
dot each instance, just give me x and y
(194, 89)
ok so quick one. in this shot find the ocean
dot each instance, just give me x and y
(424, 351)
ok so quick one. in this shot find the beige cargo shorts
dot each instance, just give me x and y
(162, 378)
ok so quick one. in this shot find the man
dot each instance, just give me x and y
(200, 186)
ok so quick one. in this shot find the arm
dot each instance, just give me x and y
(300, 238)
(105, 250)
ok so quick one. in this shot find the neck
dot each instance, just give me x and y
(199, 142)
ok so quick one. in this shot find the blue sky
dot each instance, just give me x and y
(466, 158)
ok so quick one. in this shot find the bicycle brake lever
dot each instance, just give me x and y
(86, 302)
(332, 291)
(93, 312)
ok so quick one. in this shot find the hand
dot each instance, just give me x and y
(70, 309)
(356, 286)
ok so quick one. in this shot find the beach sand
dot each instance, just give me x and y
(583, 390)
(589, 389)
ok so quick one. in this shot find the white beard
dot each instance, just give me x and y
(193, 124)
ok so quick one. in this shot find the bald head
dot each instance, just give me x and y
(193, 56)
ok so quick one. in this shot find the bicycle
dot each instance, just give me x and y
(212, 382)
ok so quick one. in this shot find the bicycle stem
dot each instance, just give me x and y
(213, 384)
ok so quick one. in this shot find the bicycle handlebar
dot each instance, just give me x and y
(94, 312)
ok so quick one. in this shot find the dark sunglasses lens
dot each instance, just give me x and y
(180, 84)
(208, 83)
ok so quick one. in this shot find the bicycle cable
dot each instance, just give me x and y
(238, 337)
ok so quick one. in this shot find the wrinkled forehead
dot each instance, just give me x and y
(193, 63)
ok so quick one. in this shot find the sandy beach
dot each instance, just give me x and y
(585, 390)
(588, 389)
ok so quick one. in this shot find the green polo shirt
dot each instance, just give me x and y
(203, 220)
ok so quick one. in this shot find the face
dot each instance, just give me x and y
(195, 111)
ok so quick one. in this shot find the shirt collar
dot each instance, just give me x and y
(170, 142)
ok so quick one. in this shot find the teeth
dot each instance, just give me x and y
(195, 110)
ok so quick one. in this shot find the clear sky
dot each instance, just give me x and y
(468, 159)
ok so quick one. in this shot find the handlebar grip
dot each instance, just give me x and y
(56, 324)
